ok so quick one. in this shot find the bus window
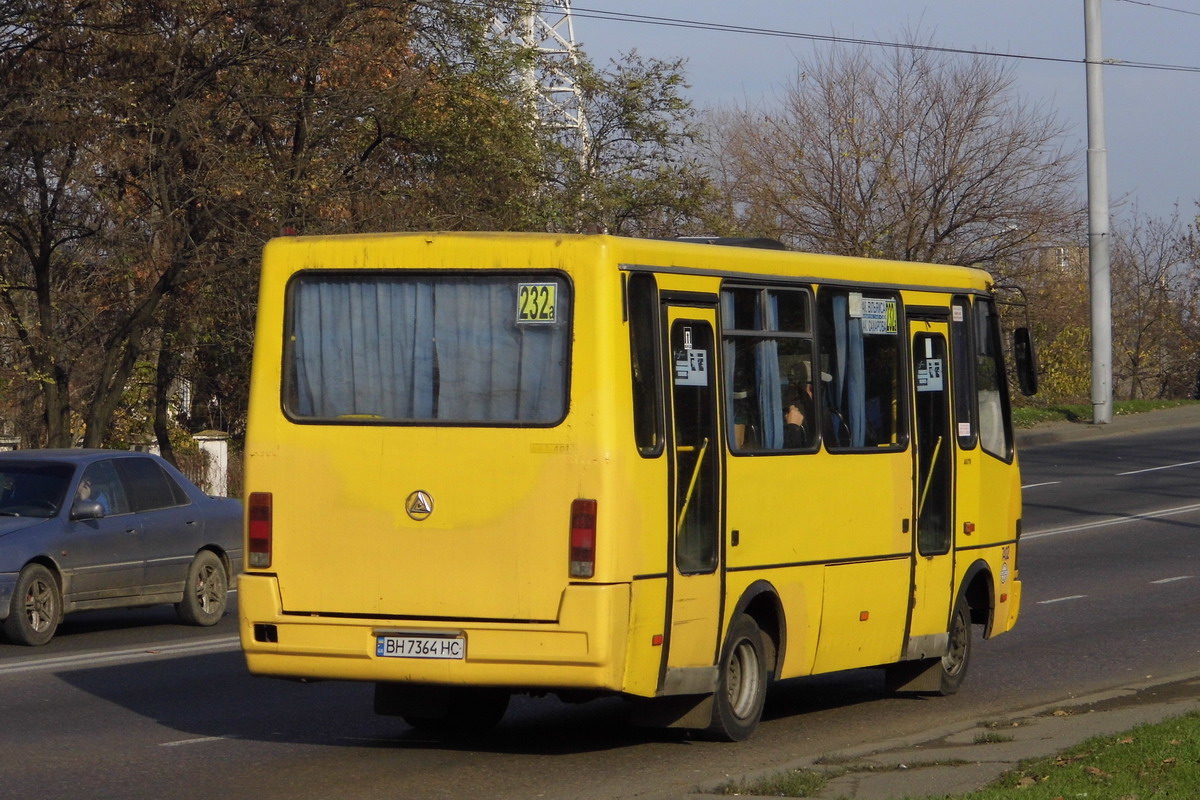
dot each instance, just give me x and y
(934, 478)
(647, 395)
(694, 419)
(768, 365)
(862, 397)
(960, 352)
(995, 428)
(385, 347)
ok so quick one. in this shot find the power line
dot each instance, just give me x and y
(1161, 8)
(720, 27)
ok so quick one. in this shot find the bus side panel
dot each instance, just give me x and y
(810, 510)
(645, 645)
(996, 514)
(800, 591)
(862, 625)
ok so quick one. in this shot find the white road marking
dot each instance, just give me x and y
(200, 740)
(1043, 483)
(146, 653)
(1172, 580)
(1155, 469)
(1062, 599)
(1104, 523)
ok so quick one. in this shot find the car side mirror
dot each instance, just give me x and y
(1025, 359)
(87, 509)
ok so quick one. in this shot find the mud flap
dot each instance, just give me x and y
(924, 676)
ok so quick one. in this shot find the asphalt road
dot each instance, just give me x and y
(132, 705)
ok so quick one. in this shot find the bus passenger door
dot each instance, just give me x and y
(695, 491)
(933, 556)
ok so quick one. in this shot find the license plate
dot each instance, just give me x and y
(402, 646)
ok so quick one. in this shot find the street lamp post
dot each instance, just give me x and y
(1098, 221)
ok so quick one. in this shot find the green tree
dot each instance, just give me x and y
(150, 149)
(160, 143)
(641, 174)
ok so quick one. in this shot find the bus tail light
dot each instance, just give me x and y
(583, 538)
(259, 525)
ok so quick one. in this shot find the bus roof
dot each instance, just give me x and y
(561, 250)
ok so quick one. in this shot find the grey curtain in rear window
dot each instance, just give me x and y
(423, 348)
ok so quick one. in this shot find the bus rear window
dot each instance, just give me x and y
(488, 349)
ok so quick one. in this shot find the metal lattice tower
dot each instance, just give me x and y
(548, 29)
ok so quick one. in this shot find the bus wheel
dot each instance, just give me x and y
(467, 712)
(958, 653)
(741, 683)
(36, 607)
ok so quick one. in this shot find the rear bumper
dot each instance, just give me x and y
(584, 649)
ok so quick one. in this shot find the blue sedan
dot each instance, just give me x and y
(88, 529)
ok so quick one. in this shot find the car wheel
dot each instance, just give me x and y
(36, 607)
(206, 591)
(741, 683)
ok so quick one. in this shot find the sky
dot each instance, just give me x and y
(1152, 116)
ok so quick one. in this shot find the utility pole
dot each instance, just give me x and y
(1098, 220)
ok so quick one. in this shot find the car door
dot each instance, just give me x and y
(101, 558)
(171, 528)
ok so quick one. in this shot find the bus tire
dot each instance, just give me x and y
(36, 607)
(741, 683)
(941, 675)
(958, 650)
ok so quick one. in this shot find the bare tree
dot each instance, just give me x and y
(914, 156)
(1153, 355)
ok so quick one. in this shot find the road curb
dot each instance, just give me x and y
(1125, 424)
(963, 757)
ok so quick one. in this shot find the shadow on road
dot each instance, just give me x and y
(214, 696)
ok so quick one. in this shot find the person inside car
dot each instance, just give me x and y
(96, 494)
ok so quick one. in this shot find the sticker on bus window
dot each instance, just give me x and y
(929, 376)
(879, 316)
(691, 367)
(536, 302)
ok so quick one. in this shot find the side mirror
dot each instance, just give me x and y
(87, 509)
(1025, 359)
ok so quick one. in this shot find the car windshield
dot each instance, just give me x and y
(33, 490)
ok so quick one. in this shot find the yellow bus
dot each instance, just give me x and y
(480, 464)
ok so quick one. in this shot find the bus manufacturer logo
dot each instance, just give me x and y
(419, 505)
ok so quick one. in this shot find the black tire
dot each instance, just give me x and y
(206, 592)
(741, 683)
(36, 607)
(958, 651)
(469, 712)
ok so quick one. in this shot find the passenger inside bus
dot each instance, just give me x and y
(797, 408)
